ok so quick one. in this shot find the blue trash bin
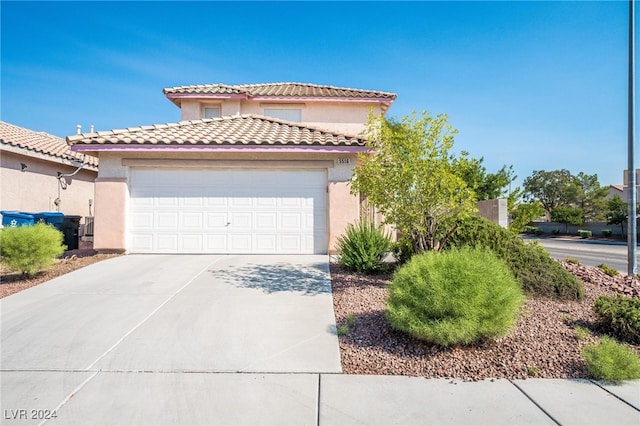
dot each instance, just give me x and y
(14, 219)
(51, 218)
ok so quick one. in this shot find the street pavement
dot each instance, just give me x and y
(235, 340)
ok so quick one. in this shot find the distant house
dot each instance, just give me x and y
(259, 168)
(30, 165)
(616, 190)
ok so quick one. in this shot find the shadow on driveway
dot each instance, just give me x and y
(310, 279)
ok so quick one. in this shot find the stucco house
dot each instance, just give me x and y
(35, 169)
(261, 168)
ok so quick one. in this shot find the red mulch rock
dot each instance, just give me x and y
(543, 343)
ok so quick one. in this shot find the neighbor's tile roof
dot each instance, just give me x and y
(35, 143)
(240, 130)
(281, 90)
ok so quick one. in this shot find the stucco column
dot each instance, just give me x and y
(110, 217)
(344, 208)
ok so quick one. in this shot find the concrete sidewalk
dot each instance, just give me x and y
(175, 398)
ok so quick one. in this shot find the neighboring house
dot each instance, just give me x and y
(228, 179)
(30, 163)
(616, 190)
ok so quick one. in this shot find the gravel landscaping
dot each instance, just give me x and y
(543, 344)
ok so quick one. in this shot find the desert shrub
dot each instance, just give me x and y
(606, 232)
(530, 263)
(620, 316)
(584, 233)
(455, 296)
(611, 361)
(363, 247)
(572, 260)
(612, 272)
(29, 249)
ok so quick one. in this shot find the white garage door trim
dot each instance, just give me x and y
(219, 211)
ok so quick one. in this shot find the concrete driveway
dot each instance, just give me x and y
(166, 314)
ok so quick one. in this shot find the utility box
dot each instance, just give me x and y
(71, 230)
(11, 219)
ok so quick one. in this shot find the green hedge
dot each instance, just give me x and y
(530, 263)
(456, 296)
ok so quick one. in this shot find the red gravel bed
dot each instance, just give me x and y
(543, 344)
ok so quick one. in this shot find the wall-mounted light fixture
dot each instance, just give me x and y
(23, 167)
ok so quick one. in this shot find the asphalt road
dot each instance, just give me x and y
(588, 252)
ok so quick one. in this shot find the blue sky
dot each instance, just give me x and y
(536, 85)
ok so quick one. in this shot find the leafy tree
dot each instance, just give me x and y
(617, 212)
(552, 189)
(568, 216)
(487, 186)
(524, 213)
(591, 197)
(410, 177)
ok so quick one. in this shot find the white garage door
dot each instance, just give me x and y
(227, 211)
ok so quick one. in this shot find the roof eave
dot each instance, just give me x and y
(96, 149)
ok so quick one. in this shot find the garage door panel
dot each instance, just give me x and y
(142, 220)
(228, 211)
(144, 242)
(167, 243)
(191, 243)
(216, 220)
(290, 221)
(216, 243)
(240, 221)
(291, 243)
(265, 243)
(216, 202)
(167, 201)
(240, 243)
(167, 221)
(236, 202)
(192, 220)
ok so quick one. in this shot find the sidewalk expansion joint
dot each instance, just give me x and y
(535, 403)
(614, 395)
(318, 404)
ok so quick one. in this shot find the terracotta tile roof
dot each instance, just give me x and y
(239, 130)
(281, 90)
(39, 144)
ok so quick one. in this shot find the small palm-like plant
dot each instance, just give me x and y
(363, 247)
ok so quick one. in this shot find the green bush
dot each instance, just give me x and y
(531, 264)
(606, 232)
(611, 361)
(555, 231)
(403, 250)
(363, 247)
(572, 260)
(29, 249)
(584, 233)
(612, 272)
(455, 296)
(538, 231)
(620, 316)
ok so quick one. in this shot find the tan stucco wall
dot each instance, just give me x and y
(344, 209)
(112, 193)
(346, 117)
(36, 189)
(111, 206)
